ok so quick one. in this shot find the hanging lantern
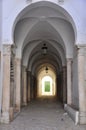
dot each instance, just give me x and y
(44, 49)
(46, 69)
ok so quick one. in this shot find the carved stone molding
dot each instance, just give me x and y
(29, 1)
(69, 60)
(25, 68)
(82, 114)
(81, 49)
(6, 49)
(18, 61)
(60, 1)
(82, 117)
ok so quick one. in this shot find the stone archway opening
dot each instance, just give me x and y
(35, 28)
(46, 84)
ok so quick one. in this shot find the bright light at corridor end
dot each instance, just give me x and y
(46, 84)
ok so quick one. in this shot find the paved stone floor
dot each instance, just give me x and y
(42, 116)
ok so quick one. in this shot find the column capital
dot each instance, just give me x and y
(81, 49)
(64, 67)
(81, 46)
(69, 59)
(18, 60)
(29, 72)
(6, 49)
(25, 68)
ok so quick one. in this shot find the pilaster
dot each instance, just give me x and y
(18, 84)
(24, 86)
(29, 82)
(82, 83)
(64, 84)
(6, 57)
(69, 81)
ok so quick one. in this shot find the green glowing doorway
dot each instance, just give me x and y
(47, 86)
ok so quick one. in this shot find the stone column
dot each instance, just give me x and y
(64, 85)
(6, 56)
(35, 88)
(56, 93)
(58, 87)
(28, 77)
(61, 86)
(12, 80)
(32, 86)
(18, 84)
(82, 83)
(0, 84)
(11, 99)
(24, 86)
(69, 81)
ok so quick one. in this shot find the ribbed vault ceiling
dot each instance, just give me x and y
(44, 24)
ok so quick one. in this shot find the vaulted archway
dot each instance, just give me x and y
(41, 24)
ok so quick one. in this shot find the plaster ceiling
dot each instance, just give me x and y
(44, 23)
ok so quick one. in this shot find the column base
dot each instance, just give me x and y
(24, 104)
(5, 118)
(28, 100)
(11, 113)
(17, 109)
(64, 101)
(74, 114)
(82, 118)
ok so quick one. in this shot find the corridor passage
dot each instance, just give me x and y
(42, 115)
